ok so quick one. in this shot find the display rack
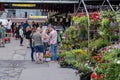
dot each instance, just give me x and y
(87, 14)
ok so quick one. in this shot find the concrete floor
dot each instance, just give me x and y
(15, 64)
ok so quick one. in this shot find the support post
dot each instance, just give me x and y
(102, 5)
(110, 6)
(88, 24)
(78, 8)
(82, 2)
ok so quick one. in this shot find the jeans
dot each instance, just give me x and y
(45, 47)
(32, 51)
(21, 40)
(54, 51)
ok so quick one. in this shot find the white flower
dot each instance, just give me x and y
(118, 62)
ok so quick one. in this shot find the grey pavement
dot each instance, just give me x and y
(15, 64)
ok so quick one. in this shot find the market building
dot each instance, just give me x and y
(86, 44)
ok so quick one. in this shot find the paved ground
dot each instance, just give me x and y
(15, 64)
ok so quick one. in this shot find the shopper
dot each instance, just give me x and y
(40, 27)
(27, 35)
(53, 42)
(21, 35)
(45, 40)
(17, 31)
(8, 26)
(12, 27)
(38, 46)
(32, 46)
(25, 25)
(2, 35)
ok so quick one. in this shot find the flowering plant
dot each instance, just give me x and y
(48, 54)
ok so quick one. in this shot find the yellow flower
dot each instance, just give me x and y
(84, 52)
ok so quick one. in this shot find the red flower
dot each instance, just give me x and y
(95, 16)
(93, 75)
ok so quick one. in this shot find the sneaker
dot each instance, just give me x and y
(21, 45)
(41, 61)
(37, 62)
(28, 47)
(33, 60)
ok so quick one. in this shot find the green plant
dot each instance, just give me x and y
(106, 23)
(110, 56)
(75, 19)
(96, 43)
(109, 68)
(83, 44)
(63, 54)
(83, 21)
(108, 14)
(118, 20)
(83, 69)
(71, 38)
(95, 24)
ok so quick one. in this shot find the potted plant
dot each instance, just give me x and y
(84, 71)
(48, 56)
(108, 69)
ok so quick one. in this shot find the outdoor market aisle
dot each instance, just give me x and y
(15, 64)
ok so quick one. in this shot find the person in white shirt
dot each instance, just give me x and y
(8, 26)
(45, 40)
(21, 35)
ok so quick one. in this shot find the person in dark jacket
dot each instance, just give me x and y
(17, 31)
(28, 35)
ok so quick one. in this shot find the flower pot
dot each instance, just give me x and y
(47, 59)
(86, 76)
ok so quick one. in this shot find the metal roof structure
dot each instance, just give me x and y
(57, 5)
(40, 1)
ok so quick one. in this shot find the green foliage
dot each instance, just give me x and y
(108, 14)
(110, 56)
(109, 67)
(83, 21)
(83, 69)
(98, 43)
(75, 19)
(95, 24)
(83, 44)
(118, 20)
(105, 23)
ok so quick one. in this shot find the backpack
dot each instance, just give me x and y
(59, 38)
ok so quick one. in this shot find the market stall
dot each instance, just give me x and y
(91, 44)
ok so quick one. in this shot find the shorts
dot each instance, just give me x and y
(39, 49)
